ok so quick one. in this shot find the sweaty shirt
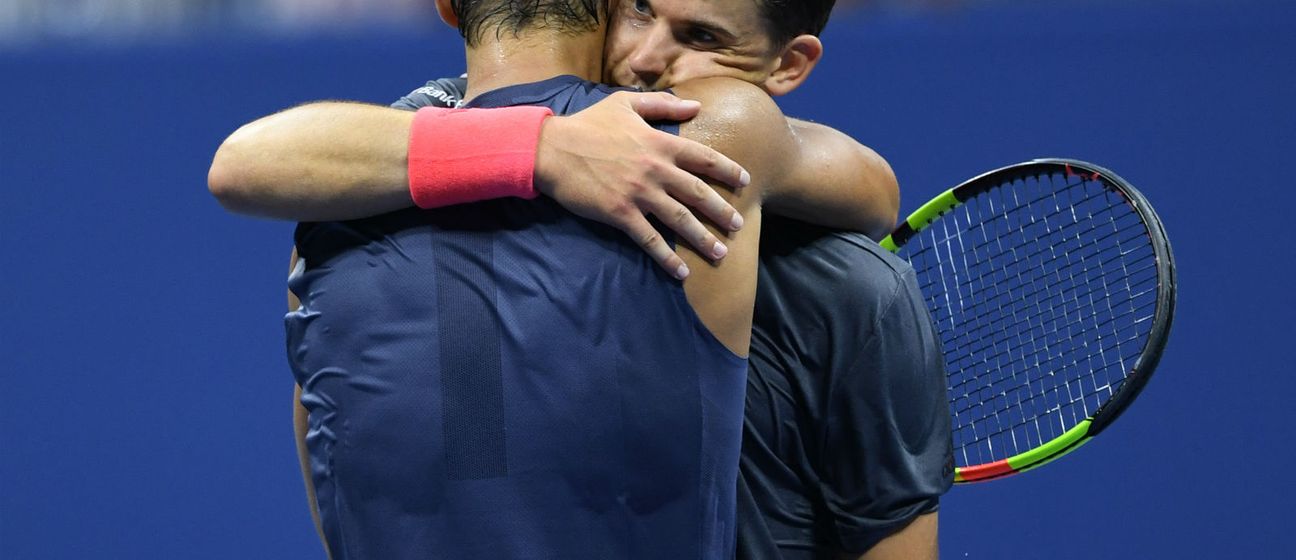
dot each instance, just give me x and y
(507, 380)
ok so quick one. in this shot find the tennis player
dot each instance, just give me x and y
(889, 390)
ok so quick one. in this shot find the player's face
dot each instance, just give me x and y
(655, 44)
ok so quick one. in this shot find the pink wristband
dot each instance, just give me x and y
(469, 155)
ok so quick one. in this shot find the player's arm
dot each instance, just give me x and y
(834, 162)
(834, 181)
(317, 162)
(741, 121)
(337, 161)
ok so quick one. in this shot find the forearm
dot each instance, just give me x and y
(837, 182)
(317, 162)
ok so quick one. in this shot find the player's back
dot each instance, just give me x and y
(506, 380)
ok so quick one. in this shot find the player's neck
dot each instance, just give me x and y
(531, 57)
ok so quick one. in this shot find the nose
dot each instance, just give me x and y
(651, 57)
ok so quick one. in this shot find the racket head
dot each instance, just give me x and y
(1052, 286)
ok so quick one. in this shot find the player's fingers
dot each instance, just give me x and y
(706, 162)
(697, 194)
(662, 106)
(651, 241)
(684, 223)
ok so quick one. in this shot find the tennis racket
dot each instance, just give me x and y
(1052, 286)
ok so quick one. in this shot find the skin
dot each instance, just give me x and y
(654, 44)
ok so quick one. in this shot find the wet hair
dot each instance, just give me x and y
(477, 17)
(786, 19)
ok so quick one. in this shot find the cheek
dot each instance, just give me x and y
(694, 65)
(704, 65)
(619, 46)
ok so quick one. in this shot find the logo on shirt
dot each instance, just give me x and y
(449, 99)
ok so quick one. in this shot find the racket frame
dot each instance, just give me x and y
(1136, 379)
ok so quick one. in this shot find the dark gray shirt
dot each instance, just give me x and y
(847, 426)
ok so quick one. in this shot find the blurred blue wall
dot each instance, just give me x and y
(144, 397)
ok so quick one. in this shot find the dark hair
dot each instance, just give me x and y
(786, 19)
(476, 17)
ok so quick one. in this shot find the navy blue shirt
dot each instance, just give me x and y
(507, 380)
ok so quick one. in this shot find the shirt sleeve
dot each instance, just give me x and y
(887, 454)
(443, 92)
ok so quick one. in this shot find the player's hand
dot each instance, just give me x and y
(607, 164)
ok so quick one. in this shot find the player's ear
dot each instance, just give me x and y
(447, 13)
(795, 62)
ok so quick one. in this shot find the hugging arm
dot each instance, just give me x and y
(339, 161)
(317, 162)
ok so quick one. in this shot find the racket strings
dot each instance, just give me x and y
(1039, 309)
(1097, 390)
(983, 310)
(1036, 352)
(1033, 334)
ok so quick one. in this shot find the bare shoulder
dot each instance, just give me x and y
(738, 119)
(730, 98)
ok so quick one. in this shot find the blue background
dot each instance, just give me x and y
(144, 394)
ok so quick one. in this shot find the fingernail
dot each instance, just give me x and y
(682, 272)
(744, 179)
(720, 250)
(737, 222)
